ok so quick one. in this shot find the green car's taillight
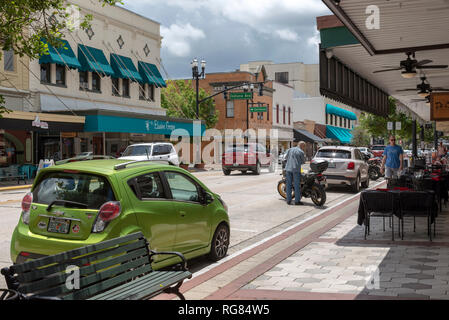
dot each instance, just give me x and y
(26, 206)
(108, 212)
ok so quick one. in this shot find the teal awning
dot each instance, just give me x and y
(93, 60)
(341, 134)
(330, 109)
(63, 55)
(151, 74)
(124, 68)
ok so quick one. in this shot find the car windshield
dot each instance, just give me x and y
(137, 151)
(378, 148)
(91, 190)
(336, 154)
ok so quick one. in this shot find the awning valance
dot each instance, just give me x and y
(341, 134)
(151, 74)
(94, 60)
(63, 55)
(306, 136)
(124, 68)
(330, 109)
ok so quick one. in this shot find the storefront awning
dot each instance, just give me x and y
(151, 74)
(162, 126)
(93, 60)
(330, 109)
(341, 134)
(41, 122)
(306, 136)
(124, 68)
(63, 55)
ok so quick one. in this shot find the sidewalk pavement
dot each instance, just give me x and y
(326, 257)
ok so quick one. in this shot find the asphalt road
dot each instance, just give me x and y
(256, 210)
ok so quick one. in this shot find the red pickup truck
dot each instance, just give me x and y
(247, 157)
(378, 150)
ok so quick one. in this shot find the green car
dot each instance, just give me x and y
(81, 203)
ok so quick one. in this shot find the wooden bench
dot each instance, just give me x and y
(117, 269)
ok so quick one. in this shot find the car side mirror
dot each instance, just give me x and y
(207, 198)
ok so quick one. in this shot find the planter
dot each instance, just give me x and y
(184, 166)
(200, 165)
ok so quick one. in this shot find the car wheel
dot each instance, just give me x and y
(257, 169)
(226, 172)
(220, 243)
(356, 185)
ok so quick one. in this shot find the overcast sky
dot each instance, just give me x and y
(227, 33)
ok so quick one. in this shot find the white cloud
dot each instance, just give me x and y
(178, 38)
(287, 34)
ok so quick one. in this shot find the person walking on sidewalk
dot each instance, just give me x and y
(392, 162)
(295, 158)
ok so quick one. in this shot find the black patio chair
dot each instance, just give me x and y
(417, 204)
(378, 204)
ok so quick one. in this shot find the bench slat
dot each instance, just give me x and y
(91, 281)
(106, 284)
(64, 256)
(60, 277)
(149, 285)
(79, 261)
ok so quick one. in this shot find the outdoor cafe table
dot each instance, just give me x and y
(361, 219)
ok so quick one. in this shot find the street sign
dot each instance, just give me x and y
(240, 95)
(390, 126)
(258, 109)
(398, 125)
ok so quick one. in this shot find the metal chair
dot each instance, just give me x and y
(378, 204)
(417, 204)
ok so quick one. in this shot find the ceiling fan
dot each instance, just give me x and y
(426, 100)
(424, 88)
(410, 65)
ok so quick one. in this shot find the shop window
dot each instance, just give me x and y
(289, 115)
(125, 88)
(46, 73)
(341, 121)
(115, 87)
(142, 92)
(84, 80)
(96, 82)
(229, 109)
(8, 59)
(283, 110)
(268, 112)
(60, 75)
(151, 92)
(277, 113)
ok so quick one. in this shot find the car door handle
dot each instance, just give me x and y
(182, 213)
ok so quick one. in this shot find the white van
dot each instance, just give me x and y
(163, 151)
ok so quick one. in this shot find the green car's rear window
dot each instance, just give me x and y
(91, 190)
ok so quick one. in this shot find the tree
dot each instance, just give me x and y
(179, 99)
(23, 23)
(360, 138)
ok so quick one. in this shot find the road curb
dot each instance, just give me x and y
(27, 186)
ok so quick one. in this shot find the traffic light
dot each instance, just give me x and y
(225, 93)
(261, 89)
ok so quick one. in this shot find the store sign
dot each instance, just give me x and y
(439, 106)
(39, 124)
(390, 126)
(159, 125)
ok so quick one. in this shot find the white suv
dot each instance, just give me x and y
(346, 166)
(151, 151)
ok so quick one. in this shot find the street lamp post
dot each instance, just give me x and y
(196, 76)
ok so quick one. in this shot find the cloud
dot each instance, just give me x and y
(288, 35)
(178, 38)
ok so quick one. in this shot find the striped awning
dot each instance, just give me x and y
(63, 55)
(330, 109)
(94, 60)
(124, 68)
(341, 134)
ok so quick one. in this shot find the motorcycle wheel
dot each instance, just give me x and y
(282, 186)
(373, 174)
(318, 195)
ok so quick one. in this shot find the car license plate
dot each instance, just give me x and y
(56, 225)
(332, 165)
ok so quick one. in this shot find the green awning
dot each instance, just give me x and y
(63, 55)
(341, 134)
(93, 60)
(151, 74)
(330, 109)
(124, 68)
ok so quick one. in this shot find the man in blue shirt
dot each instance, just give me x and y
(295, 158)
(392, 162)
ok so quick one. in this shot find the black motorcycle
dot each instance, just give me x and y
(312, 184)
(374, 171)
